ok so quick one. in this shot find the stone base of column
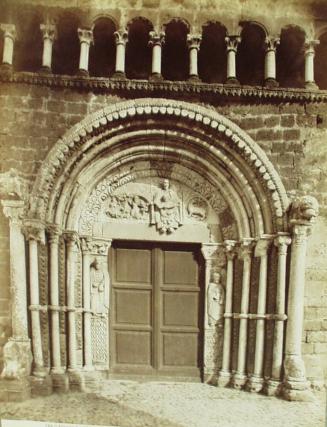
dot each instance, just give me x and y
(83, 73)
(16, 390)
(45, 70)
(224, 378)
(6, 68)
(232, 81)
(210, 378)
(194, 79)
(238, 381)
(311, 86)
(76, 380)
(273, 388)
(41, 386)
(271, 83)
(297, 391)
(119, 75)
(254, 384)
(60, 381)
(156, 77)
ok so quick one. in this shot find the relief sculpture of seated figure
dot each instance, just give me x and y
(166, 209)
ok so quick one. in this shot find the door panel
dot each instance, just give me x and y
(156, 310)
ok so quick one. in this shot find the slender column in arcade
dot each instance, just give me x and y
(271, 44)
(231, 47)
(9, 31)
(49, 35)
(157, 40)
(85, 38)
(309, 55)
(193, 41)
(121, 40)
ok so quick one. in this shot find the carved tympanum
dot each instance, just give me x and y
(197, 208)
(128, 207)
(166, 209)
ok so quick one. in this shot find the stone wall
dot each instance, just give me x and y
(293, 135)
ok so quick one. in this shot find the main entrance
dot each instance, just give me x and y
(156, 305)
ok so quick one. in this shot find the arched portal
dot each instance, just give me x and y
(157, 220)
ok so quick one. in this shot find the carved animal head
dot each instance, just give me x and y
(304, 208)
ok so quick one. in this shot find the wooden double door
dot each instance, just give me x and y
(156, 319)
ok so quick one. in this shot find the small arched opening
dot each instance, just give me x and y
(290, 57)
(103, 50)
(175, 59)
(138, 51)
(66, 47)
(320, 62)
(251, 55)
(212, 53)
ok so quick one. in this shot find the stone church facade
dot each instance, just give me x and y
(163, 194)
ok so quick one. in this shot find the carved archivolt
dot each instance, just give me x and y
(80, 138)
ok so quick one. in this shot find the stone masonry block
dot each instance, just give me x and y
(291, 134)
(312, 325)
(272, 121)
(317, 336)
(320, 347)
(287, 120)
(269, 135)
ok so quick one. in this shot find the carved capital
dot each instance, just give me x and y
(9, 30)
(194, 41)
(229, 248)
(246, 248)
(262, 246)
(309, 46)
(121, 37)
(34, 230)
(281, 242)
(48, 31)
(14, 210)
(85, 36)
(156, 38)
(232, 43)
(300, 234)
(271, 43)
(304, 210)
(53, 233)
(208, 250)
(95, 247)
(72, 238)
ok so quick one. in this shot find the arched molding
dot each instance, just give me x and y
(245, 23)
(176, 20)
(195, 133)
(139, 18)
(104, 16)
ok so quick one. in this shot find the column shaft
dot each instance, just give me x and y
(309, 55)
(281, 242)
(194, 41)
(87, 312)
(35, 313)
(71, 239)
(85, 38)
(49, 33)
(121, 40)
(270, 61)
(8, 43)
(225, 372)
(232, 43)
(240, 375)
(54, 301)
(156, 41)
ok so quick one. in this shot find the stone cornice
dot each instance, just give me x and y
(103, 84)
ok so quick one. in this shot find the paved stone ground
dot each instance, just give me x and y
(157, 404)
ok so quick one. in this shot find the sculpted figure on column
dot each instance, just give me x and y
(98, 285)
(216, 298)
